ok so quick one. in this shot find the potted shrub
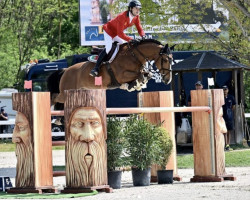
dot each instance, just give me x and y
(115, 141)
(141, 148)
(165, 149)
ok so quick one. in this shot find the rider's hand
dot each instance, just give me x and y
(143, 37)
(134, 41)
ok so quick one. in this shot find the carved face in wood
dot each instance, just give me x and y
(221, 122)
(24, 152)
(86, 125)
(22, 132)
(86, 149)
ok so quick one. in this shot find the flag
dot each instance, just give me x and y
(98, 80)
(28, 84)
(210, 81)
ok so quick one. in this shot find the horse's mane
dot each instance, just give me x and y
(149, 40)
(124, 46)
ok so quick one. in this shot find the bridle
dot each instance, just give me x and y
(169, 59)
(161, 54)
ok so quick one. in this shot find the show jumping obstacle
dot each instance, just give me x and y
(208, 141)
(36, 108)
(166, 100)
(87, 171)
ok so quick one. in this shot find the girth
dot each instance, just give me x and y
(114, 83)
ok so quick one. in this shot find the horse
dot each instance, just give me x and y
(126, 67)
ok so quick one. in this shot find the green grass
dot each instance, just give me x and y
(8, 146)
(58, 148)
(185, 161)
(238, 158)
(59, 168)
(4, 195)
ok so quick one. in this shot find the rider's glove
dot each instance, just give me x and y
(143, 37)
(134, 41)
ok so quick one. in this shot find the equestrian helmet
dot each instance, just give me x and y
(134, 3)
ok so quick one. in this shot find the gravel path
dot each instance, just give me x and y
(239, 189)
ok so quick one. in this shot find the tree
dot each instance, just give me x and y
(36, 29)
(162, 13)
(21, 28)
(104, 11)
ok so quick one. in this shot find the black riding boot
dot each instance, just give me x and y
(94, 72)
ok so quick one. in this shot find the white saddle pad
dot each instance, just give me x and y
(93, 58)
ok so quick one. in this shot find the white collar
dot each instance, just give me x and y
(130, 17)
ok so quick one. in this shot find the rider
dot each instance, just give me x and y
(113, 31)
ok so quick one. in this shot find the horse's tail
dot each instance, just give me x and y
(53, 82)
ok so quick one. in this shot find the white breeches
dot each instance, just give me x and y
(108, 40)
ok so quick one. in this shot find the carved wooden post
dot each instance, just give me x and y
(208, 139)
(32, 135)
(86, 152)
(162, 99)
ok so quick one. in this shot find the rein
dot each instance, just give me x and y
(147, 60)
(162, 61)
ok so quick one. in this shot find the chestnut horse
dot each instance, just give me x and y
(127, 67)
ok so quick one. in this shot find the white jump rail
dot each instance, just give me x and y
(7, 122)
(12, 122)
(54, 134)
(112, 111)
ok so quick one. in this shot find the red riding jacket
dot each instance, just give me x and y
(116, 26)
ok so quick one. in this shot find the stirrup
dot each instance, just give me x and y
(93, 73)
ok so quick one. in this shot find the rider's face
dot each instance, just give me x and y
(135, 11)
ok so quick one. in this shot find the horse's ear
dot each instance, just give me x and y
(172, 47)
(165, 49)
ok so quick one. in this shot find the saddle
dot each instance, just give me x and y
(109, 58)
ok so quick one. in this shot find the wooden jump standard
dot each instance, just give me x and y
(208, 128)
(32, 135)
(208, 140)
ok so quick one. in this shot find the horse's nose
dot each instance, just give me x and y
(170, 78)
(167, 79)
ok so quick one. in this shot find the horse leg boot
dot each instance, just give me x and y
(94, 72)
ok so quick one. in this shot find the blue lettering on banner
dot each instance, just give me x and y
(92, 34)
